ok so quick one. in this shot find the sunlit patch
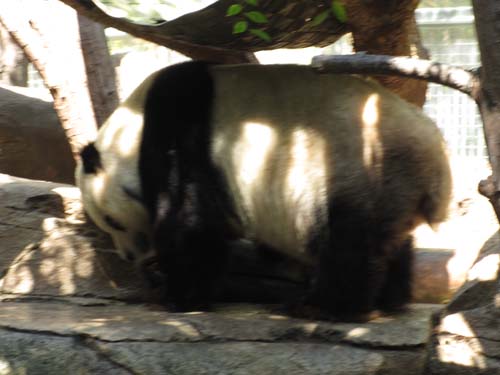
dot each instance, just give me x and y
(183, 327)
(49, 224)
(84, 268)
(67, 285)
(457, 324)
(122, 130)
(5, 368)
(462, 351)
(47, 267)
(67, 192)
(24, 281)
(299, 165)
(310, 327)
(253, 148)
(486, 269)
(358, 332)
(372, 146)
(306, 178)
(98, 186)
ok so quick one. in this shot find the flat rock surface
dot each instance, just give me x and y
(68, 306)
(100, 336)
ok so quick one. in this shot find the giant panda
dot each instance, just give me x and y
(331, 170)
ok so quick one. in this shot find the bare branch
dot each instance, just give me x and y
(457, 78)
(154, 33)
(207, 33)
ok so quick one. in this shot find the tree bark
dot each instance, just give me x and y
(487, 15)
(13, 63)
(101, 75)
(54, 49)
(381, 27)
(156, 34)
(426, 70)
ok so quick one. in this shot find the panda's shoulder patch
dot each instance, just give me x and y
(91, 159)
(183, 95)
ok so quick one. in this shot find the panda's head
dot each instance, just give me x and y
(114, 204)
(108, 177)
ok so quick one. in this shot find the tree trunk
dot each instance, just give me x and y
(101, 75)
(54, 49)
(13, 63)
(487, 15)
(382, 27)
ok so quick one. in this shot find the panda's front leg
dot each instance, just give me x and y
(192, 254)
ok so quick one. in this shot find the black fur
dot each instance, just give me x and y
(396, 289)
(345, 281)
(91, 159)
(181, 187)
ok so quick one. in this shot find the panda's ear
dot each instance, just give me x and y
(91, 159)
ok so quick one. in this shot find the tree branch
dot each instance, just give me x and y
(100, 70)
(457, 78)
(207, 34)
(154, 33)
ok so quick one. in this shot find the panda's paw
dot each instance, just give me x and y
(187, 296)
(153, 277)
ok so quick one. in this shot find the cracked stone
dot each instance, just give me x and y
(147, 323)
(24, 353)
(244, 358)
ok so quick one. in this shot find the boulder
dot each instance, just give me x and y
(466, 335)
(32, 141)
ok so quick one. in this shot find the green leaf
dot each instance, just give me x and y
(234, 9)
(240, 27)
(252, 2)
(261, 34)
(320, 18)
(338, 11)
(256, 17)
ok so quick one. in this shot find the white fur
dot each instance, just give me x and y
(288, 139)
(118, 142)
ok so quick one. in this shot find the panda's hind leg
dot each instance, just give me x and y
(397, 288)
(351, 264)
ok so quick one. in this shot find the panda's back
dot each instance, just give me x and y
(288, 140)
